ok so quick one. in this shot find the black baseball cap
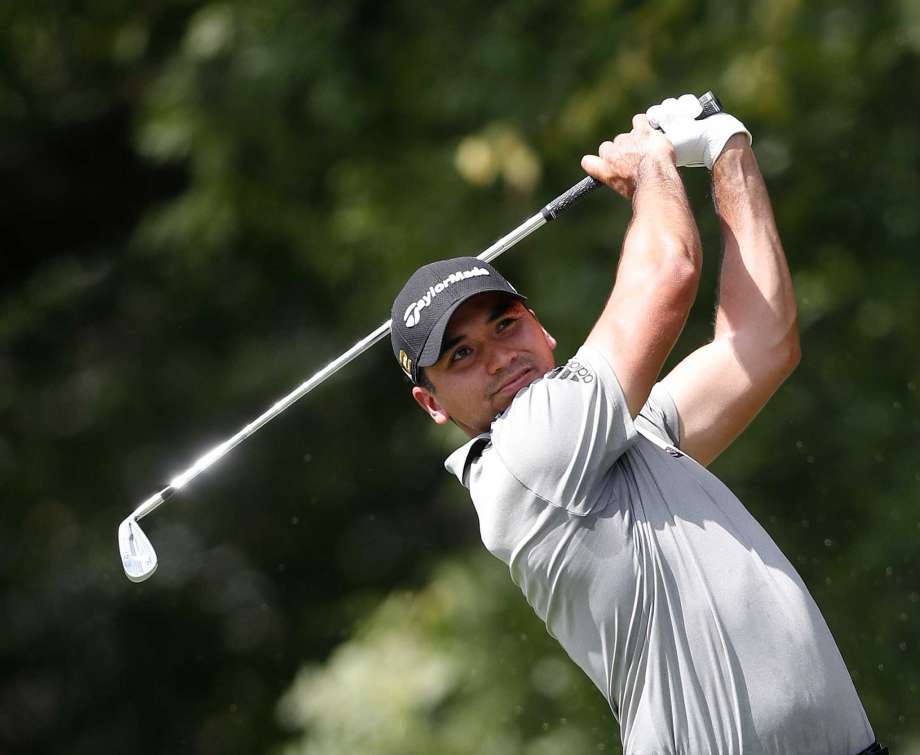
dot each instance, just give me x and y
(423, 308)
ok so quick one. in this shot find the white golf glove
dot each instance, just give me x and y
(696, 142)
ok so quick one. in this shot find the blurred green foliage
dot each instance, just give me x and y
(451, 669)
(204, 202)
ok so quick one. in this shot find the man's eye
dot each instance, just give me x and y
(503, 324)
(460, 353)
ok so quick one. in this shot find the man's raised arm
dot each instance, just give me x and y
(722, 386)
(659, 266)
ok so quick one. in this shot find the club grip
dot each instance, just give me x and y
(710, 104)
(565, 200)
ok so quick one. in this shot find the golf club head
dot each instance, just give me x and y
(137, 554)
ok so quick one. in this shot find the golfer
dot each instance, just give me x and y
(590, 479)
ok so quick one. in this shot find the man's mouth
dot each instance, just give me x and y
(517, 381)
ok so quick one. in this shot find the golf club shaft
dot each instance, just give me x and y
(211, 457)
(560, 204)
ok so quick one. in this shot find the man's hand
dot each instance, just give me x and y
(696, 143)
(620, 163)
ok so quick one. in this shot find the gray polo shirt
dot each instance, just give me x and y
(654, 577)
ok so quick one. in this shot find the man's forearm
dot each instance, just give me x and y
(756, 296)
(656, 281)
(658, 271)
(663, 230)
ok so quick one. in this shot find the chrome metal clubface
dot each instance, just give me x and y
(137, 554)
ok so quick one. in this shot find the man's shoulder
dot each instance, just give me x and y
(561, 434)
(559, 412)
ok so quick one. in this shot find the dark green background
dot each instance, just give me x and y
(204, 203)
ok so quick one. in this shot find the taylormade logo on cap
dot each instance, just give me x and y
(414, 311)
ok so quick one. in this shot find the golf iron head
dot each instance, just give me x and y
(137, 554)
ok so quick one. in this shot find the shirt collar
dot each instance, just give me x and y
(459, 460)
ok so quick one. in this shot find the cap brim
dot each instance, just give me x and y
(431, 352)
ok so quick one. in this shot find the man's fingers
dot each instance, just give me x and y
(673, 110)
(596, 167)
(607, 150)
(640, 122)
(689, 105)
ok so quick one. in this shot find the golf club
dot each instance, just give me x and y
(137, 554)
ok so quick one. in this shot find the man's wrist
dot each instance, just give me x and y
(655, 166)
(735, 169)
(736, 149)
(658, 183)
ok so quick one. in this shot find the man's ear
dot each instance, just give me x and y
(429, 402)
(546, 334)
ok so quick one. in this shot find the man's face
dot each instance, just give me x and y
(493, 347)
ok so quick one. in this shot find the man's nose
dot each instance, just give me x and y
(500, 358)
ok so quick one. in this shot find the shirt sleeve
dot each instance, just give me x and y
(660, 416)
(563, 433)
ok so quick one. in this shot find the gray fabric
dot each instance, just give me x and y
(659, 416)
(654, 577)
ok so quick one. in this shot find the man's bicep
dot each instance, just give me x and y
(639, 325)
(718, 390)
